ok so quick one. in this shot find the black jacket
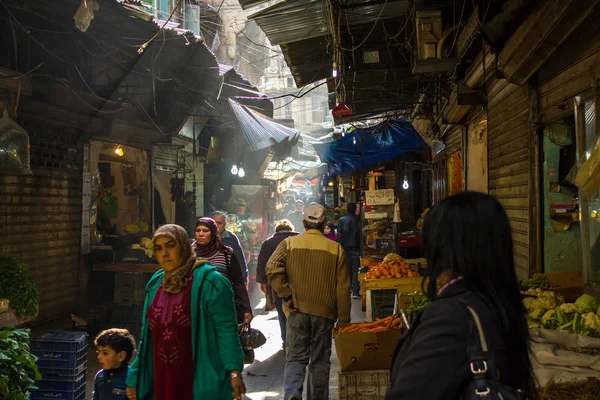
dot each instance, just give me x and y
(266, 251)
(430, 362)
(231, 240)
(348, 231)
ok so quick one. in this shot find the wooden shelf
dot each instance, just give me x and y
(126, 267)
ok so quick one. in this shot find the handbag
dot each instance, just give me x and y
(484, 384)
(250, 338)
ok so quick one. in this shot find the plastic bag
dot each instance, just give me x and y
(588, 177)
(14, 147)
(250, 338)
(85, 14)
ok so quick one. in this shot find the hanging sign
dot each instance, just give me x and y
(379, 197)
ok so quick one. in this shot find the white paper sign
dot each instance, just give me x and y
(376, 215)
(379, 197)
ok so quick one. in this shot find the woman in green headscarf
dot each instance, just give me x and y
(189, 347)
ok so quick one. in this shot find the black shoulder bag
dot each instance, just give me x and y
(482, 362)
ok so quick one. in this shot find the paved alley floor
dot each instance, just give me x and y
(264, 378)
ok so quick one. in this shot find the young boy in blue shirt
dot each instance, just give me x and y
(115, 349)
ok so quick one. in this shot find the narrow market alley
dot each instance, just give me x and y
(263, 378)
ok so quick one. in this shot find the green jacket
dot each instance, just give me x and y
(216, 347)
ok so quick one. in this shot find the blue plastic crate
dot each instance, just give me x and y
(62, 362)
(62, 384)
(60, 341)
(77, 394)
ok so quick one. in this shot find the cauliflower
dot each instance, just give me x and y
(586, 304)
(537, 314)
(590, 321)
(548, 319)
(550, 300)
(568, 308)
(527, 303)
(538, 304)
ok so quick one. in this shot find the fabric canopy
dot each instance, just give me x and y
(374, 145)
(260, 132)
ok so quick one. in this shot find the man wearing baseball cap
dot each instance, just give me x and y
(309, 272)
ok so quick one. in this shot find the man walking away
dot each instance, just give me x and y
(283, 230)
(230, 239)
(349, 237)
(310, 273)
(297, 215)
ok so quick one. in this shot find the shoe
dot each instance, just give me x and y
(354, 296)
(294, 397)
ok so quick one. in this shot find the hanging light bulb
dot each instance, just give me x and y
(354, 140)
(405, 185)
(343, 133)
(241, 172)
(234, 170)
(335, 71)
(119, 150)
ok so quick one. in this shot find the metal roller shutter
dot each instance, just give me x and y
(40, 216)
(510, 172)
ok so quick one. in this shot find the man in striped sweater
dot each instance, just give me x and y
(309, 272)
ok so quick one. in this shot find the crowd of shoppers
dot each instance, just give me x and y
(189, 347)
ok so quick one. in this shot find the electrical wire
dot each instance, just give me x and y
(143, 47)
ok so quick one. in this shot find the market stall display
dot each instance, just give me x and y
(385, 279)
(367, 345)
(379, 230)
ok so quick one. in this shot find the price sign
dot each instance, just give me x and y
(379, 197)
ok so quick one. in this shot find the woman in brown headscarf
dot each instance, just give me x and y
(208, 246)
(189, 346)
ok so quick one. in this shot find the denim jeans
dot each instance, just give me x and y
(308, 345)
(281, 317)
(353, 261)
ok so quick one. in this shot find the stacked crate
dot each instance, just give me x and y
(62, 361)
(129, 296)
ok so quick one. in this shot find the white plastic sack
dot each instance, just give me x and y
(85, 14)
(554, 356)
(14, 147)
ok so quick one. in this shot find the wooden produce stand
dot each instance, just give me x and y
(400, 285)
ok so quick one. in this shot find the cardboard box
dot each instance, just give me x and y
(362, 351)
(568, 284)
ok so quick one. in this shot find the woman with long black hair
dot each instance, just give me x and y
(468, 244)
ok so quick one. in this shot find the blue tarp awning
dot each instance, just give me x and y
(383, 142)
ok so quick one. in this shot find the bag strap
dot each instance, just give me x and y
(481, 362)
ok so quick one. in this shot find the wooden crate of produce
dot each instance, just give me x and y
(363, 385)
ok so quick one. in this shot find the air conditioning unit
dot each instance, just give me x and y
(429, 33)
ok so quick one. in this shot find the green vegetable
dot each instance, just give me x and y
(17, 286)
(18, 371)
(586, 304)
(538, 281)
(548, 319)
(537, 314)
(531, 323)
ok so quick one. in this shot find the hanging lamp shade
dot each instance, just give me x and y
(341, 110)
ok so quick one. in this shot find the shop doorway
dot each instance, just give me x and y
(561, 235)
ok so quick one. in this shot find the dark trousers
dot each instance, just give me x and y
(308, 345)
(353, 261)
(281, 317)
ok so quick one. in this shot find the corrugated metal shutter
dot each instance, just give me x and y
(40, 216)
(454, 141)
(510, 172)
(569, 71)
